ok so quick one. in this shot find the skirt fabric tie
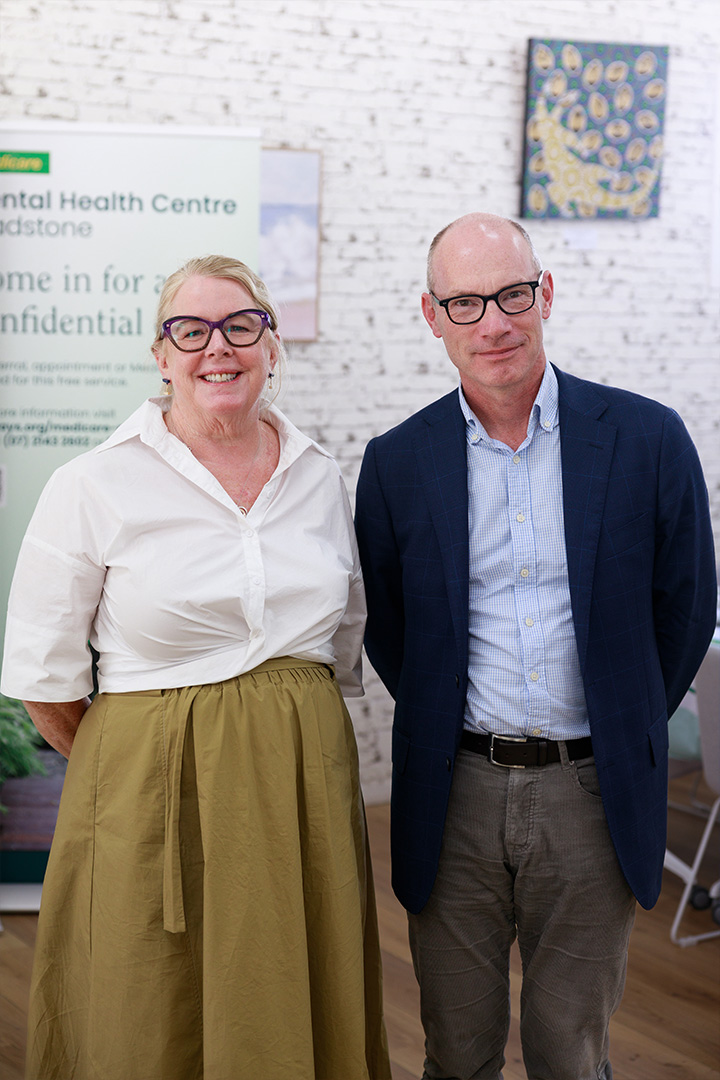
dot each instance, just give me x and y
(174, 731)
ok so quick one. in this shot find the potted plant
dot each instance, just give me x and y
(31, 776)
(19, 743)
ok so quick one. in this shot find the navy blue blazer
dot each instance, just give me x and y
(641, 572)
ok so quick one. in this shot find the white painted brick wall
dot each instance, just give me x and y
(418, 110)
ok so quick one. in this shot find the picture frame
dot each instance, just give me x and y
(594, 130)
(289, 237)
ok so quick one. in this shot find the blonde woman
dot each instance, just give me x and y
(208, 908)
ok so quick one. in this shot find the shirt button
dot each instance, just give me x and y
(537, 731)
(524, 572)
(529, 622)
(547, 424)
(250, 532)
(534, 676)
(520, 517)
(516, 459)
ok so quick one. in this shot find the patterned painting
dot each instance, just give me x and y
(594, 126)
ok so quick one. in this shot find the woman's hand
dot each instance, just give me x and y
(57, 721)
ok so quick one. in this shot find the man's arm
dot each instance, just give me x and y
(684, 578)
(382, 573)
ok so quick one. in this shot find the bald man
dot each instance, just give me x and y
(541, 589)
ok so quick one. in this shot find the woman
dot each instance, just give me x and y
(208, 908)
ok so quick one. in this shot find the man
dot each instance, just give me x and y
(541, 588)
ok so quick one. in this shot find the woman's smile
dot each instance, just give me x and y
(221, 376)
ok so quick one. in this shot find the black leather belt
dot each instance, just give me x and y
(518, 753)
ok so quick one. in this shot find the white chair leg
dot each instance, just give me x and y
(689, 876)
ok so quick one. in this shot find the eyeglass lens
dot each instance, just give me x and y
(513, 301)
(239, 329)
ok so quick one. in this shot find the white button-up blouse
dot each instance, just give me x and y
(137, 548)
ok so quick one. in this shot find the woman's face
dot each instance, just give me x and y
(221, 381)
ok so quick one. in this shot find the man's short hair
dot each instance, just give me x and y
(537, 265)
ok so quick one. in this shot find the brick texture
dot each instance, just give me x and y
(417, 107)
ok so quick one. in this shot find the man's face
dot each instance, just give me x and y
(501, 353)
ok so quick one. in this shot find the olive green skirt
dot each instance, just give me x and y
(208, 909)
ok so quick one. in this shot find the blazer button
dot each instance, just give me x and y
(448, 762)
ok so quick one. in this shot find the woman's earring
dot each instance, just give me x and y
(271, 376)
(167, 389)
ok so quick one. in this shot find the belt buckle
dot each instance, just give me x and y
(504, 738)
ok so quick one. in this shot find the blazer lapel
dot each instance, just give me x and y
(586, 450)
(441, 454)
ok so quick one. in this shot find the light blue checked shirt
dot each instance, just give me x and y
(524, 674)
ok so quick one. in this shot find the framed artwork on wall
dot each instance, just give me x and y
(289, 237)
(594, 130)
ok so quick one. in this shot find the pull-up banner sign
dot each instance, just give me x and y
(92, 220)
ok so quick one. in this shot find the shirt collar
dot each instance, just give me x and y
(544, 413)
(147, 424)
(545, 406)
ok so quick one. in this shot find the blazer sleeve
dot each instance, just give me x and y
(382, 573)
(348, 638)
(684, 578)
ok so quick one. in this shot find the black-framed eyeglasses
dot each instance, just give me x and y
(189, 333)
(512, 300)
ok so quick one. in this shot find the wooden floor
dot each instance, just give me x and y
(668, 1027)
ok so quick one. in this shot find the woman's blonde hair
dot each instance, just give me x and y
(220, 266)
